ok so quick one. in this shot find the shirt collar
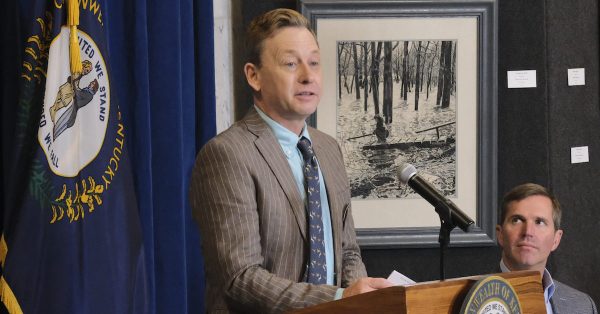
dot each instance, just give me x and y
(284, 136)
(548, 283)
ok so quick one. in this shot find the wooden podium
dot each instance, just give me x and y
(434, 297)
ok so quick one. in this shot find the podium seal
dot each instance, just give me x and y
(491, 295)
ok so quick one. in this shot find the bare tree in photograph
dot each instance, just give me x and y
(424, 56)
(388, 88)
(340, 49)
(397, 63)
(418, 76)
(404, 91)
(430, 71)
(343, 68)
(375, 57)
(440, 84)
(356, 70)
(365, 83)
(453, 68)
(447, 75)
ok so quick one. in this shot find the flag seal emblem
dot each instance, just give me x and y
(76, 107)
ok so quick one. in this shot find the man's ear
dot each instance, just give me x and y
(557, 236)
(252, 76)
(499, 235)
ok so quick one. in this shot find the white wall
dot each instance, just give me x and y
(223, 64)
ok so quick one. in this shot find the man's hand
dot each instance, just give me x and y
(365, 285)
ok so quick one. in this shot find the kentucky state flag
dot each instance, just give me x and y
(71, 240)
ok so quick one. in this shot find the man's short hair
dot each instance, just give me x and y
(266, 25)
(526, 190)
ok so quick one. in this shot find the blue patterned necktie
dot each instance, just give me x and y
(317, 266)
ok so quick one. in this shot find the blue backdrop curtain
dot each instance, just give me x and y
(161, 51)
(161, 57)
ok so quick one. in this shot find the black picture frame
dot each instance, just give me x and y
(485, 13)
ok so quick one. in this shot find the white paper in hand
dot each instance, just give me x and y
(399, 279)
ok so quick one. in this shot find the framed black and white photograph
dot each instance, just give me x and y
(411, 82)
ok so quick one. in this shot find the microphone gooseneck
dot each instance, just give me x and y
(409, 176)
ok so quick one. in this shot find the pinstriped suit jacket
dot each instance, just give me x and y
(254, 226)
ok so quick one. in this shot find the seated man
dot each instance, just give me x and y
(528, 232)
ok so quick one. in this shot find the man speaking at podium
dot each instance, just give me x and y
(270, 194)
(528, 232)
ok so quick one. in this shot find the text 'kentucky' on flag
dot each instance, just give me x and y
(71, 240)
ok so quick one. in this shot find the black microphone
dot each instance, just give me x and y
(408, 175)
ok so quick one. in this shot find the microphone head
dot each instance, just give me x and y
(407, 171)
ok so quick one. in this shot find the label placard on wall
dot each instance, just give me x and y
(579, 154)
(576, 77)
(522, 79)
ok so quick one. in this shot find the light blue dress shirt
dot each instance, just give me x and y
(288, 141)
(547, 283)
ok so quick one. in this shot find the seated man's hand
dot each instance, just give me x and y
(365, 285)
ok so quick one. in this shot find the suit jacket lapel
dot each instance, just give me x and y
(269, 148)
(557, 304)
